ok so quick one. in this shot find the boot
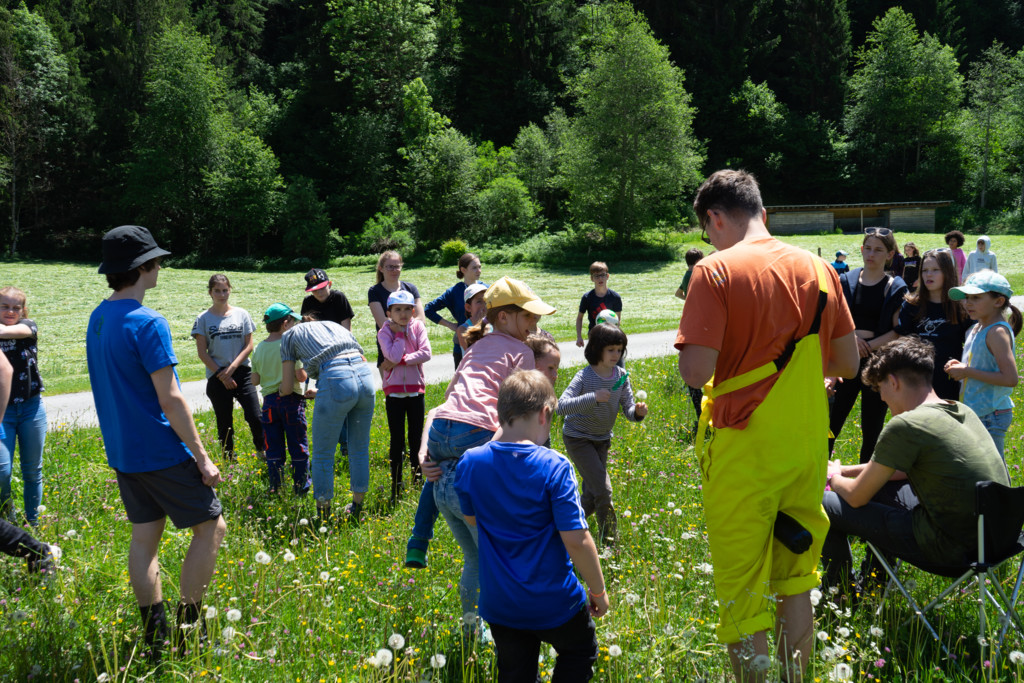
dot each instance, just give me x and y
(155, 628)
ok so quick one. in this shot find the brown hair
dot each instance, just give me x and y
(911, 245)
(598, 268)
(389, 254)
(524, 393)
(275, 325)
(952, 310)
(119, 281)
(601, 336)
(464, 262)
(540, 345)
(15, 293)
(956, 235)
(910, 358)
(693, 257)
(728, 191)
(475, 332)
(889, 241)
(1015, 316)
(216, 279)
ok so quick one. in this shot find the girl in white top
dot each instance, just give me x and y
(223, 335)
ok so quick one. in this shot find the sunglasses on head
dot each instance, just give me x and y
(881, 232)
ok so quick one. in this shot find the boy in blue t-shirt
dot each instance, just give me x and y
(523, 499)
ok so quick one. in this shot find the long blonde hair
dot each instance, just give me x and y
(389, 254)
(475, 332)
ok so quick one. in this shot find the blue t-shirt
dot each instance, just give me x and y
(522, 495)
(124, 344)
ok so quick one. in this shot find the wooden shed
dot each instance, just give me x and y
(903, 216)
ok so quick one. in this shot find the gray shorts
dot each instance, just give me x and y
(177, 492)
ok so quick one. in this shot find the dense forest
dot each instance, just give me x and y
(305, 129)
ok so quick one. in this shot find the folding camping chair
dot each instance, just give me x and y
(1000, 513)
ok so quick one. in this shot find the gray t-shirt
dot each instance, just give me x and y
(944, 450)
(225, 335)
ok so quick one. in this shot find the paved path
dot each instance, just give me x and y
(78, 409)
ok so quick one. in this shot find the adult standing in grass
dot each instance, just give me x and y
(389, 280)
(223, 335)
(25, 418)
(151, 441)
(454, 300)
(344, 395)
(767, 320)
(874, 298)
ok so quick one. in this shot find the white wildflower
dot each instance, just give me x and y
(323, 530)
(234, 615)
(614, 650)
(1017, 657)
(671, 504)
(41, 509)
(262, 557)
(842, 672)
(396, 641)
(325, 576)
(843, 632)
(103, 677)
(303, 522)
(438, 661)
(70, 533)
(384, 657)
(294, 542)
(289, 556)
(631, 598)
(227, 634)
(815, 596)
(822, 636)
(211, 612)
(627, 513)
(761, 663)
(876, 632)
(677, 512)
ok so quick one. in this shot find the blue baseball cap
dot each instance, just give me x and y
(981, 282)
(401, 297)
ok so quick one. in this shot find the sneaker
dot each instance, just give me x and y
(416, 558)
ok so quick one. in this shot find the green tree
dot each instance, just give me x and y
(306, 227)
(534, 161)
(989, 85)
(33, 87)
(380, 46)
(904, 99)
(629, 155)
(441, 179)
(814, 56)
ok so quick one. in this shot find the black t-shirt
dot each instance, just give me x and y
(592, 304)
(335, 307)
(380, 293)
(947, 338)
(22, 353)
(911, 270)
(867, 304)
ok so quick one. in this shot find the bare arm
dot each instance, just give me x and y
(255, 378)
(175, 407)
(861, 488)
(579, 330)
(6, 377)
(697, 364)
(843, 359)
(288, 370)
(680, 294)
(377, 311)
(16, 331)
(583, 553)
(347, 324)
(204, 354)
(242, 355)
(998, 342)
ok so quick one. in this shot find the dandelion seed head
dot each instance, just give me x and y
(396, 641)
(289, 556)
(614, 650)
(843, 632)
(211, 612)
(227, 633)
(262, 557)
(325, 576)
(842, 672)
(384, 657)
(303, 522)
(438, 661)
(1017, 657)
(876, 632)
(234, 615)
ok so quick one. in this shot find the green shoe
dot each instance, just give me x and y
(416, 558)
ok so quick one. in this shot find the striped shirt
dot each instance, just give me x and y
(585, 418)
(316, 342)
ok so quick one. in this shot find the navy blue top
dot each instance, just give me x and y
(454, 301)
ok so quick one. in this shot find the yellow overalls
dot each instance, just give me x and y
(778, 462)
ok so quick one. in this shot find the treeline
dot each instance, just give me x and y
(303, 130)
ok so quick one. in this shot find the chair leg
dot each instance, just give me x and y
(909, 598)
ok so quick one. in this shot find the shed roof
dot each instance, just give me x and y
(865, 205)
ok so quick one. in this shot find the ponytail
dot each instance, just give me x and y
(464, 262)
(1015, 318)
(475, 332)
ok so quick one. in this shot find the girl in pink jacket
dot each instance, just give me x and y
(403, 341)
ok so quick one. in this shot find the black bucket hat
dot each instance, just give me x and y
(127, 247)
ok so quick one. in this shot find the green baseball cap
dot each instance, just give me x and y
(981, 282)
(278, 311)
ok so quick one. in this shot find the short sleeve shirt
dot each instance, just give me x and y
(335, 307)
(125, 343)
(522, 495)
(946, 337)
(749, 301)
(225, 335)
(266, 362)
(23, 355)
(944, 450)
(592, 304)
(379, 293)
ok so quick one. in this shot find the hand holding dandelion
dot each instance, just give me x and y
(641, 396)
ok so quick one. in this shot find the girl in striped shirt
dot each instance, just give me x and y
(590, 405)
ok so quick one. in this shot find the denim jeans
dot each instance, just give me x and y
(997, 422)
(284, 422)
(447, 440)
(465, 535)
(886, 521)
(344, 394)
(26, 422)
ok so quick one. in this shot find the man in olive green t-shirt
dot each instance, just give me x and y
(915, 498)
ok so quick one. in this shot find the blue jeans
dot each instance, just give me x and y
(465, 535)
(344, 394)
(447, 440)
(284, 422)
(26, 422)
(997, 423)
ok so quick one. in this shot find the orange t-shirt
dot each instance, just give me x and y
(748, 302)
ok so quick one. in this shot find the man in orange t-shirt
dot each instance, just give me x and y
(746, 303)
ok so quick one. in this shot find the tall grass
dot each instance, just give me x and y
(324, 615)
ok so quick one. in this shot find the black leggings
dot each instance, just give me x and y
(872, 413)
(223, 399)
(411, 408)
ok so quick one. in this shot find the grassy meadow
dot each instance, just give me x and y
(61, 296)
(326, 604)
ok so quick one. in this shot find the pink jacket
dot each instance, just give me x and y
(410, 350)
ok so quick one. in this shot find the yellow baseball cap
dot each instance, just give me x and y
(507, 292)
